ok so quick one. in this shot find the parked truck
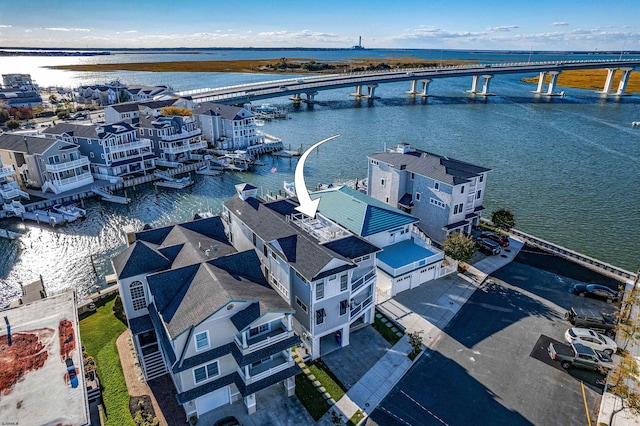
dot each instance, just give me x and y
(580, 356)
(593, 319)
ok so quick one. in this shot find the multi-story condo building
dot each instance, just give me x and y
(228, 127)
(407, 259)
(174, 139)
(114, 150)
(44, 163)
(205, 314)
(444, 193)
(326, 273)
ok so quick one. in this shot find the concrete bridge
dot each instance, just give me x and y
(366, 82)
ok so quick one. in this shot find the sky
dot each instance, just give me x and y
(421, 24)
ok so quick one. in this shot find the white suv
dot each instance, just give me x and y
(592, 339)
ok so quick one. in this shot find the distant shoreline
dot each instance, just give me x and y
(590, 80)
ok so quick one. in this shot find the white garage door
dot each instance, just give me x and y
(212, 400)
(403, 284)
(427, 274)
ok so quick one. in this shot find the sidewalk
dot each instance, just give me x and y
(427, 308)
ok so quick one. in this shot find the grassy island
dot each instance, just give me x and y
(590, 80)
(263, 66)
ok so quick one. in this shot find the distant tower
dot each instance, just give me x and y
(359, 45)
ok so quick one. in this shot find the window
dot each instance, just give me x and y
(418, 196)
(382, 182)
(413, 175)
(202, 340)
(478, 194)
(253, 238)
(436, 186)
(320, 314)
(481, 178)
(91, 154)
(343, 307)
(136, 289)
(458, 208)
(437, 203)
(319, 291)
(302, 305)
(374, 162)
(462, 189)
(343, 282)
(206, 372)
(256, 331)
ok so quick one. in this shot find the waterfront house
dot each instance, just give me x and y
(9, 186)
(326, 273)
(205, 314)
(114, 150)
(146, 93)
(131, 110)
(228, 127)
(444, 193)
(407, 259)
(48, 164)
(175, 139)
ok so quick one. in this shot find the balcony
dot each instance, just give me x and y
(68, 165)
(365, 279)
(263, 340)
(356, 308)
(279, 363)
(182, 135)
(73, 182)
(12, 190)
(119, 147)
(176, 149)
(7, 171)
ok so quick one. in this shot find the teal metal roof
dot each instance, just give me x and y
(358, 212)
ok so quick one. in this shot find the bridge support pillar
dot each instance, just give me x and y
(358, 92)
(552, 83)
(425, 88)
(413, 91)
(611, 72)
(371, 90)
(474, 84)
(311, 97)
(541, 78)
(624, 79)
(485, 86)
(296, 98)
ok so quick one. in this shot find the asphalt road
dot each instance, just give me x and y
(490, 365)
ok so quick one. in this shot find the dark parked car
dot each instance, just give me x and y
(498, 238)
(597, 291)
(487, 246)
(227, 421)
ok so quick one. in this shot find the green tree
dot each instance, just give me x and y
(460, 247)
(625, 384)
(503, 219)
(415, 340)
(4, 116)
(12, 124)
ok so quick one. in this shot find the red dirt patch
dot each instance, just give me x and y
(67, 339)
(27, 353)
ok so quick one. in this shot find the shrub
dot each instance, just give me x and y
(118, 310)
(459, 247)
(12, 124)
(503, 218)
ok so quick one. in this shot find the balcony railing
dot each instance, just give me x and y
(68, 165)
(7, 171)
(365, 279)
(84, 178)
(263, 340)
(266, 369)
(132, 155)
(144, 143)
(176, 149)
(198, 145)
(355, 310)
(12, 191)
(182, 135)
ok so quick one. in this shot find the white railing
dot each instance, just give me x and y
(7, 171)
(84, 178)
(182, 135)
(119, 147)
(356, 309)
(173, 149)
(68, 165)
(9, 192)
(198, 145)
(263, 343)
(365, 279)
(264, 374)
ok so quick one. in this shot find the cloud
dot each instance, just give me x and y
(503, 28)
(68, 29)
(127, 32)
(560, 24)
(5, 26)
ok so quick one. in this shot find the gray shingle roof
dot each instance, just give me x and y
(139, 258)
(310, 256)
(228, 112)
(28, 144)
(246, 316)
(129, 107)
(438, 167)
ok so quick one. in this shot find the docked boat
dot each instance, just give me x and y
(239, 161)
(269, 112)
(210, 170)
(69, 211)
(290, 188)
(175, 183)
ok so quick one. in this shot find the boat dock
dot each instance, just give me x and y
(107, 195)
(172, 182)
(9, 235)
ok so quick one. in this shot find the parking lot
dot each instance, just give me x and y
(490, 366)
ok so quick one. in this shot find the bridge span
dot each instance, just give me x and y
(369, 80)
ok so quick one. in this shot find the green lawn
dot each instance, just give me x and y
(98, 334)
(310, 397)
(385, 331)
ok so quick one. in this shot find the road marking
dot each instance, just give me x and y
(586, 408)
(394, 416)
(424, 408)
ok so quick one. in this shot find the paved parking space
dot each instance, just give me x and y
(486, 368)
(350, 363)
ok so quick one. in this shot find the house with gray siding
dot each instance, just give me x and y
(205, 314)
(407, 258)
(444, 193)
(49, 164)
(228, 127)
(326, 273)
(114, 150)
